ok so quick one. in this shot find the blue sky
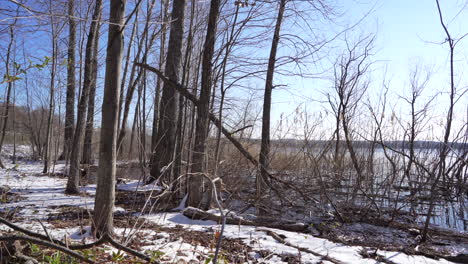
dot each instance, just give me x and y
(408, 33)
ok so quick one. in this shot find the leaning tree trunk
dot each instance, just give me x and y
(197, 188)
(166, 133)
(264, 160)
(77, 146)
(105, 192)
(71, 80)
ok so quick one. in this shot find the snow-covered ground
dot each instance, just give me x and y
(41, 196)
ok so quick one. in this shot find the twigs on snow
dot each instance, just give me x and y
(49, 242)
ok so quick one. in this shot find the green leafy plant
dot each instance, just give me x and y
(117, 256)
(55, 258)
(35, 250)
(20, 70)
(89, 254)
(221, 259)
(155, 255)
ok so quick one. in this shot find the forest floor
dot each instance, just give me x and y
(37, 203)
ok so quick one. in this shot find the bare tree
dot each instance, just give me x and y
(163, 153)
(55, 29)
(71, 80)
(77, 146)
(89, 131)
(350, 86)
(105, 191)
(264, 160)
(197, 188)
(440, 169)
(9, 85)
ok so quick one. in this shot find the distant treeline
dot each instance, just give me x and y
(395, 144)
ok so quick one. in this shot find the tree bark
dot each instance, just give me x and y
(197, 187)
(48, 143)
(265, 145)
(71, 81)
(105, 192)
(162, 50)
(89, 133)
(167, 124)
(77, 146)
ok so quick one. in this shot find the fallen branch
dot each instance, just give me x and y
(29, 233)
(57, 244)
(47, 244)
(185, 92)
(199, 214)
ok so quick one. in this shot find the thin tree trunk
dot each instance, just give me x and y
(197, 187)
(133, 82)
(71, 80)
(182, 111)
(105, 192)
(441, 166)
(127, 63)
(89, 133)
(47, 147)
(9, 88)
(264, 160)
(222, 90)
(77, 146)
(157, 96)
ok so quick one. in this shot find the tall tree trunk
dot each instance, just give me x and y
(162, 50)
(105, 192)
(77, 146)
(167, 126)
(182, 111)
(222, 89)
(133, 82)
(89, 133)
(70, 101)
(48, 140)
(197, 187)
(127, 63)
(264, 160)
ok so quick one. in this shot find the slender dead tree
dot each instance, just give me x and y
(350, 86)
(77, 146)
(105, 191)
(55, 29)
(440, 169)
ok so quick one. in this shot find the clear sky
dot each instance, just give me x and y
(408, 33)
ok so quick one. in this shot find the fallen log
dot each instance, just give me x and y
(199, 214)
